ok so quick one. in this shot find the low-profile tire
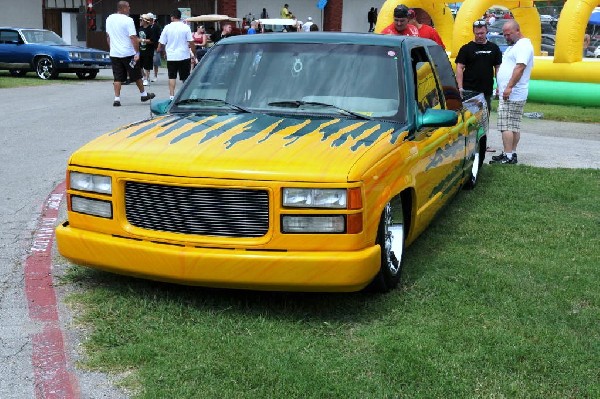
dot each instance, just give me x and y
(390, 237)
(86, 75)
(17, 72)
(45, 68)
(478, 159)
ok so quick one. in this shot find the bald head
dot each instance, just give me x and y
(511, 32)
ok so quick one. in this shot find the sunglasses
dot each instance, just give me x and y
(479, 23)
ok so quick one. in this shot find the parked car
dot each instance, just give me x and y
(498, 39)
(313, 184)
(548, 43)
(45, 53)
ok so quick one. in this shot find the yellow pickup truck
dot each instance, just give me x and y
(298, 162)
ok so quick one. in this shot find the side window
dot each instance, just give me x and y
(9, 36)
(426, 86)
(447, 78)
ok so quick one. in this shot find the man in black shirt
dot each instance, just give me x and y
(477, 63)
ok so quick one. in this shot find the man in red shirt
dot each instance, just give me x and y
(425, 31)
(400, 26)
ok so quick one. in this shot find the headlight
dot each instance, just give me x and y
(315, 198)
(106, 56)
(89, 182)
(313, 224)
(91, 206)
(74, 55)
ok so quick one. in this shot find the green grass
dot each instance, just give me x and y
(561, 113)
(499, 299)
(31, 79)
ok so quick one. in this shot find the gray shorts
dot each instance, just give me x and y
(510, 114)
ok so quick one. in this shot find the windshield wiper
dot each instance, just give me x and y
(299, 103)
(212, 100)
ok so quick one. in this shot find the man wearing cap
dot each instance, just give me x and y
(154, 36)
(425, 31)
(124, 52)
(146, 47)
(307, 24)
(400, 26)
(176, 38)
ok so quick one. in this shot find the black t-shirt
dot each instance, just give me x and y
(154, 35)
(479, 61)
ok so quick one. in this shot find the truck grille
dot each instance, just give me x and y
(197, 210)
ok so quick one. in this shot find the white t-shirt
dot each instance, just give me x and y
(520, 53)
(120, 28)
(176, 37)
(306, 26)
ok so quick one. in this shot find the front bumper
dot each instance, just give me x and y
(217, 267)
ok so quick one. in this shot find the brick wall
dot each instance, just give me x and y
(333, 16)
(227, 7)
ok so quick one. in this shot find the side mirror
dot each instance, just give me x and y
(160, 107)
(437, 118)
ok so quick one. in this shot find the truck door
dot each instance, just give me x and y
(440, 152)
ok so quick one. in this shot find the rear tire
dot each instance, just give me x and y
(477, 163)
(390, 237)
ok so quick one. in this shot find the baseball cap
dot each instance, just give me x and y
(150, 15)
(401, 11)
(412, 14)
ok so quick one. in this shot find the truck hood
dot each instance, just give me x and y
(247, 146)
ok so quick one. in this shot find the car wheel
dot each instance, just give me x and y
(17, 72)
(86, 74)
(45, 68)
(390, 237)
(476, 167)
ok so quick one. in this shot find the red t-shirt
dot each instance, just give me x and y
(427, 32)
(410, 30)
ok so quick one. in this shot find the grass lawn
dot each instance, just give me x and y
(31, 79)
(500, 299)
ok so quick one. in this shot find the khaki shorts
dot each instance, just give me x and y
(510, 114)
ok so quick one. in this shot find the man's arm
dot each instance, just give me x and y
(460, 68)
(514, 79)
(135, 41)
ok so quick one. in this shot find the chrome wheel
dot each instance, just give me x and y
(390, 237)
(45, 68)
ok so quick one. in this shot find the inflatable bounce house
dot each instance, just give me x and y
(565, 78)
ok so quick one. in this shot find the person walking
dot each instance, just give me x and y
(146, 48)
(176, 39)
(477, 63)
(372, 19)
(400, 26)
(124, 52)
(513, 86)
(155, 30)
(425, 31)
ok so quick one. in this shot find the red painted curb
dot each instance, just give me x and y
(49, 358)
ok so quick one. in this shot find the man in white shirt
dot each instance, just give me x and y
(124, 52)
(176, 38)
(307, 24)
(513, 86)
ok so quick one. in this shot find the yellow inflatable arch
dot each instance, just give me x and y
(567, 65)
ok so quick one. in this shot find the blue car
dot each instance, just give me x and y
(42, 51)
(499, 40)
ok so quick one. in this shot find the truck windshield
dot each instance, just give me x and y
(341, 80)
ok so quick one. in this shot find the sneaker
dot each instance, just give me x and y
(127, 82)
(154, 79)
(116, 103)
(498, 157)
(489, 149)
(148, 96)
(503, 159)
(145, 82)
(514, 158)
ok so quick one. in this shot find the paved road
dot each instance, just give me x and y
(42, 125)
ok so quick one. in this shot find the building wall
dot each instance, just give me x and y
(21, 13)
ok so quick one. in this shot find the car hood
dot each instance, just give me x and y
(79, 49)
(247, 146)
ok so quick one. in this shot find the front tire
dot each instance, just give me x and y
(390, 237)
(45, 68)
(86, 75)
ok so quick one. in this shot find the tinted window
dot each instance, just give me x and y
(447, 77)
